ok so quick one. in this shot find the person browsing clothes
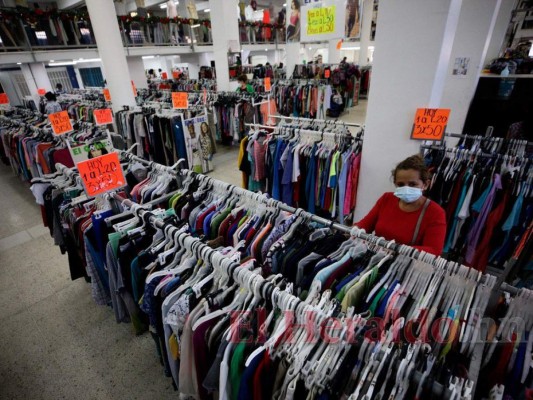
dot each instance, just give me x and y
(51, 106)
(244, 86)
(406, 215)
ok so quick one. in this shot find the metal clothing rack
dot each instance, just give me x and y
(472, 153)
(325, 121)
(304, 131)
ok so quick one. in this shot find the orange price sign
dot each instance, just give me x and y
(103, 116)
(164, 75)
(327, 73)
(430, 123)
(4, 99)
(107, 95)
(41, 92)
(175, 74)
(60, 123)
(101, 174)
(134, 89)
(180, 100)
(268, 85)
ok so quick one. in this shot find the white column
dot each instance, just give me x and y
(292, 51)
(334, 55)
(413, 44)
(474, 31)
(107, 34)
(136, 68)
(500, 29)
(224, 22)
(41, 76)
(366, 29)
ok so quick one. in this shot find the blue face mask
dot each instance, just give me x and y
(408, 194)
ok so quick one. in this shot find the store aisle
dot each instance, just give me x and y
(55, 343)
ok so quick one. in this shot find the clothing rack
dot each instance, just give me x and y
(473, 153)
(300, 130)
(329, 121)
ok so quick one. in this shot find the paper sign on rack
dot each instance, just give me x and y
(180, 100)
(101, 174)
(430, 123)
(164, 75)
(134, 89)
(60, 122)
(3, 98)
(103, 116)
(41, 92)
(268, 85)
(327, 73)
(107, 95)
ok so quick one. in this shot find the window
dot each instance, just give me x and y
(92, 77)
(59, 75)
(20, 85)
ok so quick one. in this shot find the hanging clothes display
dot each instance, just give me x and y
(302, 98)
(312, 166)
(483, 185)
(212, 277)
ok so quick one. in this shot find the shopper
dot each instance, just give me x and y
(244, 86)
(52, 106)
(406, 215)
(59, 89)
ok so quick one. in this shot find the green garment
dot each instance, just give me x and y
(236, 369)
(249, 89)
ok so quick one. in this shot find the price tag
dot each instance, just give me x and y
(41, 92)
(103, 116)
(60, 123)
(107, 95)
(101, 174)
(430, 123)
(268, 86)
(175, 74)
(327, 73)
(164, 75)
(3, 98)
(339, 44)
(134, 89)
(180, 100)
(205, 96)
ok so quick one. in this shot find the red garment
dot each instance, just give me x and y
(200, 219)
(63, 156)
(388, 220)
(481, 257)
(264, 370)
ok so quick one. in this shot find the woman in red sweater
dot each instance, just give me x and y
(406, 215)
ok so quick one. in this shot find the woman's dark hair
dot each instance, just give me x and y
(202, 125)
(415, 162)
(59, 86)
(296, 4)
(90, 155)
(242, 78)
(50, 96)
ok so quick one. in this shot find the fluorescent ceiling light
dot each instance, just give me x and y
(163, 6)
(176, 2)
(62, 63)
(195, 26)
(207, 10)
(51, 60)
(19, 63)
(88, 60)
(147, 57)
(351, 48)
(284, 4)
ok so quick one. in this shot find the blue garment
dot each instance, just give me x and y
(380, 312)
(149, 305)
(512, 220)
(286, 180)
(478, 205)
(277, 173)
(343, 178)
(323, 275)
(247, 377)
(179, 139)
(310, 181)
(207, 223)
(462, 196)
(347, 280)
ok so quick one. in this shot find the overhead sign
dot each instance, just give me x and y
(103, 116)
(60, 123)
(107, 95)
(320, 20)
(180, 100)
(268, 85)
(3, 98)
(430, 123)
(323, 21)
(101, 174)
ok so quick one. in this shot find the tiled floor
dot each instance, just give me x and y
(55, 343)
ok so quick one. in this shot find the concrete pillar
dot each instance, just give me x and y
(500, 29)
(413, 46)
(107, 34)
(31, 81)
(474, 31)
(292, 51)
(366, 30)
(136, 68)
(41, 76)
(224, 22)
(334, 55)
(120, 8)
